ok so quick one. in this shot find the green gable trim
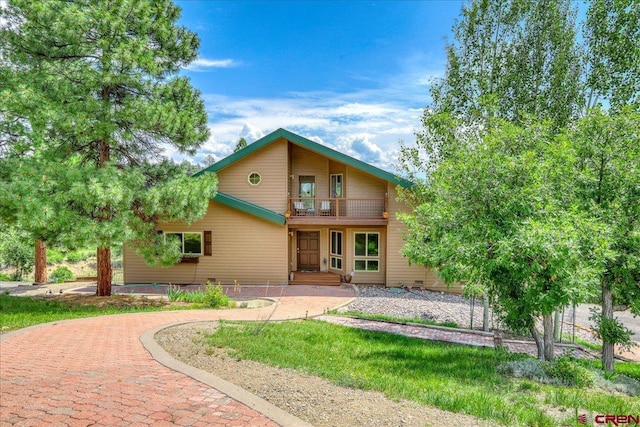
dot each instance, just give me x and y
(249, 208)
(309, 145)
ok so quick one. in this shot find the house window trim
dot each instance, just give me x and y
(333, 193)
(366, 258)
(188, 254)
(254, 174)
(335, 258)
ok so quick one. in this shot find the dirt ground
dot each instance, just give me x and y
(114, 301)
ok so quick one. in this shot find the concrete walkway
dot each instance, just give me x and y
(97, 372)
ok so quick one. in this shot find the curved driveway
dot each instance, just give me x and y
(96, 372)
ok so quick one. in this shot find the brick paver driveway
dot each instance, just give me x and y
(96, 372)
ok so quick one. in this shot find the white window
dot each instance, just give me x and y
(254, 178)
(336, 250)
(190, 243)
(336, 185)
(366, 252)
(307, 190)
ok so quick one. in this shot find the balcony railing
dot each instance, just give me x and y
(360, 208)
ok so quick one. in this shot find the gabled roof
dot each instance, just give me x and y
(250, 208)
(311, 146)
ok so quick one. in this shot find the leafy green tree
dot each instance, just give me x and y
(512, 63)
(495, 217)
(612, 42)
(16, 251)
(608, 154)
(607, 181)
(511, 59)
(98, 99)
(240, 145)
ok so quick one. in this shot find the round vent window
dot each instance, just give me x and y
(254, 178)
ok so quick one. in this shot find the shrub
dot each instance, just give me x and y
(617, 383)
(569, 372)
(61, 274)
(527, 368)
(16, 250)
(174, 293)
(5, 278)
(215, 297)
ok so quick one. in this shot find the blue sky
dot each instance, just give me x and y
(353, 75)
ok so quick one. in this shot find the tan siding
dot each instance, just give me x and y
(271, 163)
(336, 167)
(309, 163)
(360, 185)
(399, 272)
(245, 248)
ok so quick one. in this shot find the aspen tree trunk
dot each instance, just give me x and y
(538, 339)
(547, 324)
(607, 313)
(557, 323)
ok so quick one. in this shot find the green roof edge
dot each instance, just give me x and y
(310, 145)
(250, 208)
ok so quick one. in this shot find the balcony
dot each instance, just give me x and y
(337, 211)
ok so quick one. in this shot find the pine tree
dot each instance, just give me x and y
(99, 97)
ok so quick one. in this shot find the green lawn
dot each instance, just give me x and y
(452, 377)
(20, 312)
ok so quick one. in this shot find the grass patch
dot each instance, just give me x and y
(387, 318)
(629, 369)
(566, 338)
(20, 312)
(451, 377)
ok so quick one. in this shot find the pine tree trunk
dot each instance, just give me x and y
(41, 262)
(103, 288)
(538, 339)
(547, 325)
(607, 312)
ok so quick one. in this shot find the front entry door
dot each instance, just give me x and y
(309, 250)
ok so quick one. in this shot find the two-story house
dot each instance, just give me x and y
(287, 207)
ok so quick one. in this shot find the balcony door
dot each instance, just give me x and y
(337, 192)
(308, 250)
(307, 190)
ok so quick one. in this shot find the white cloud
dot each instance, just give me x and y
(365, 124)
(202, 64)
(251, 133)
(367, 131)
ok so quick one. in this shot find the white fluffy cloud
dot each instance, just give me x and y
(365, 124)
(368, 131)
